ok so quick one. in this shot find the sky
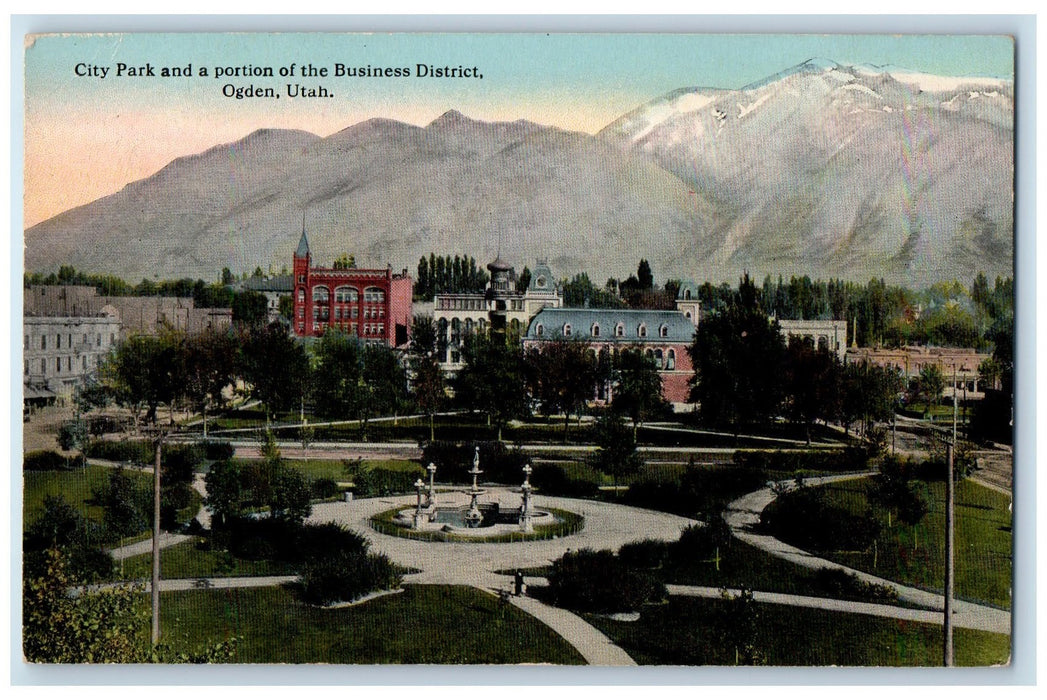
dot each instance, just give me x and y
(87, 136)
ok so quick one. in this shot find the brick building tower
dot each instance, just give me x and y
(374, 305)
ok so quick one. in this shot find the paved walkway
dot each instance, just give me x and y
(595, 647)
(607, 526)
(167, 539)
(743, 517)
(206, 583)
(895, 612)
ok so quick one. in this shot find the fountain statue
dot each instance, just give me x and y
(419, 515)
(526, 512)
(474, 517)
(430, 503)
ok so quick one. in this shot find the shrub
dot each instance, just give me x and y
(848, 459)
(838, 583)
(62, 526)
(645, 554)
(324, 488)
(453, 461)
(49, 460)
(139, 451)
(126, 507)
(378, 481)
(217, 451)
(72, 434)
(698, 489)
(173, 498)
(553, 480)
(288, 541)
(804, 517)
(347, 577)
(600, 582)
(180, 462)
(700, 541)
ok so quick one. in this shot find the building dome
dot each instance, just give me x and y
(499, 265)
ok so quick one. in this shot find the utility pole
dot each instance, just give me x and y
(949, 548)
(156, 541)
(954, 410)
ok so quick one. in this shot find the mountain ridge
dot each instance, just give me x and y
(822, 169)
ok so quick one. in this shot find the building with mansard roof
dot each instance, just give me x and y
(663, 336)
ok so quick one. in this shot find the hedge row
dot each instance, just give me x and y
(49, 460)
(848, 459)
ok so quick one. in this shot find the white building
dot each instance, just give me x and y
(59, 351)
(500, 307)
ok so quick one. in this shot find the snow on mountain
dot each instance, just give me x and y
(821, 169)
(845, 171)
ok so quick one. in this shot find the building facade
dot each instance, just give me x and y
(373, 305)
(829, 335)
(959, 365)
(663, 336)
(499, 308)
(272, 288)
(59, 351)
(137, 315)
(69, 330)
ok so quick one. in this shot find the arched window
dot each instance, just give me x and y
(619, 330)
(468, 325)
(649, 353)
(687, 314)
(663, 331)
(658, 358)
(641, 330)
(670, 359)
(374, 294)
(539, 330)
(514, 325)
(687, 294)
(321, 295)
(567, 330)
(596, 330)
(346, 295)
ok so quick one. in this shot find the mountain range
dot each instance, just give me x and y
(826, 170)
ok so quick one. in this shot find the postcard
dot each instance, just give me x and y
(680, 350)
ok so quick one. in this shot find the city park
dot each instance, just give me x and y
(237, 498)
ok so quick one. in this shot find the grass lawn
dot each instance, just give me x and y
(75, 486)
(334, 469)
(916, 556)
(689, 631)
(745, 566)
(422, 625)
(189, 560)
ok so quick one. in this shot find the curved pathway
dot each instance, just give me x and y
(743, 515)
(607, 526)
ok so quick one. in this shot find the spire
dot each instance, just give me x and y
(303, 244)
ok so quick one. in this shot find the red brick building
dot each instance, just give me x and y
(374, 305)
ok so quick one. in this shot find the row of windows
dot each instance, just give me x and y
(663, 360)
(468, 304)
(58, 362)
(322, 295)
(69, 340)
(366, 329)
(594, 331)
